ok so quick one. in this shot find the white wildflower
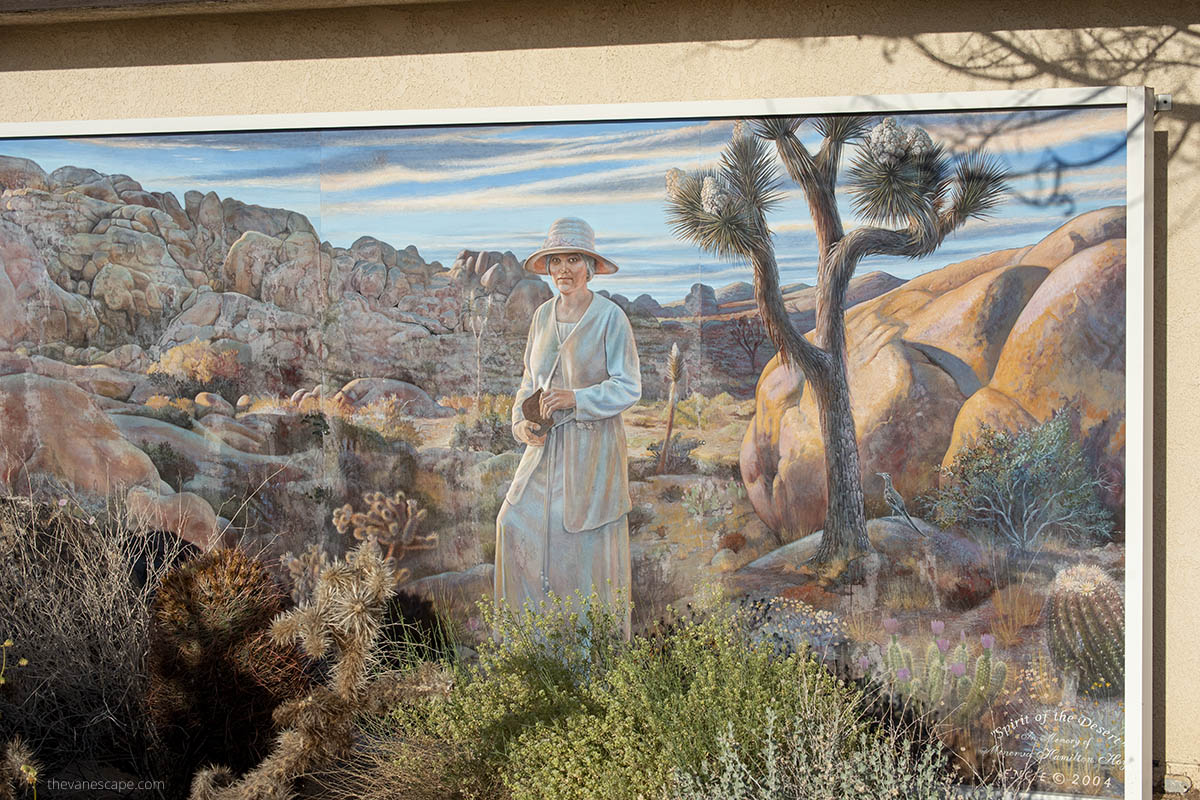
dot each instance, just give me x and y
(740, 130)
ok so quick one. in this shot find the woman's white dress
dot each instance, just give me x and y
(534, 549)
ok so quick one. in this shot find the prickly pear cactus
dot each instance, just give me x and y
(1086, 629)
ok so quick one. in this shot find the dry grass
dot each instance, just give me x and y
(907, 593)
(864, 626)
(75, 593)
(1015, 608)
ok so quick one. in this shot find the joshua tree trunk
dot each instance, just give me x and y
(845, 520)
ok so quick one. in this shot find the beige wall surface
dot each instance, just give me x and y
(538, 52)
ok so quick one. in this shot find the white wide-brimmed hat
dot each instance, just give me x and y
(569, 235)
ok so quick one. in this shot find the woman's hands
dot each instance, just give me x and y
(557, 399)
(524, 432)
(552, 400)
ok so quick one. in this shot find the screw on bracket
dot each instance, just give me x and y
(1162, 102)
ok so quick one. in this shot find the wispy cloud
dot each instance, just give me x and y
(665, 148)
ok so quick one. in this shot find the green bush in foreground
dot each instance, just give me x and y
(560, 708)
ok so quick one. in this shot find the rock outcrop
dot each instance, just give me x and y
(97, 262)
(53, 428)
(1007, 339)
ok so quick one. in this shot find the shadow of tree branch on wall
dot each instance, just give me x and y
(1168, 59)
(1083, 57)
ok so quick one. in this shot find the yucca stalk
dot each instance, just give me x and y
(674, 375)
(899, 178)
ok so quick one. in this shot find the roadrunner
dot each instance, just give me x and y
(895, 501)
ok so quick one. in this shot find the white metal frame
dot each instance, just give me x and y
(1139, 102)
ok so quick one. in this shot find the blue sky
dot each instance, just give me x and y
(499, 187)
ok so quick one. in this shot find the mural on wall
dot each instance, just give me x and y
(865, 374)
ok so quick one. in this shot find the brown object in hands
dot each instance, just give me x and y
(531, 409)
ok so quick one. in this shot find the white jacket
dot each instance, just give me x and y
(599, 361)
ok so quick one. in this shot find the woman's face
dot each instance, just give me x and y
(568, 271)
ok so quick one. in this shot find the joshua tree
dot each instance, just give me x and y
(674, 375)
(910, 194)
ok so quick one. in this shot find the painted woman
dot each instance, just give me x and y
(563, 526)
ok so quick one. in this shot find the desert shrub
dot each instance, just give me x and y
(388, 416)
(700, 411)
(161, 408)
(172, 466)
(535, 671)
(75, 594)
(490, 431)
(215, 675)
(811, 755)
(664, 706)
(1022, 487)
(195, 367)
(559, 707)
(679, 458)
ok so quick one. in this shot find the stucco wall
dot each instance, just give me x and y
(520, 53)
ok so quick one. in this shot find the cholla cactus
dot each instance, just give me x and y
(304, 570)
(18, 768)
(210, 658)
(1086, 629)
(390, 522)
(343, 622)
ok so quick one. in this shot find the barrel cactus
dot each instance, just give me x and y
(1086, 629)
(215, 675)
